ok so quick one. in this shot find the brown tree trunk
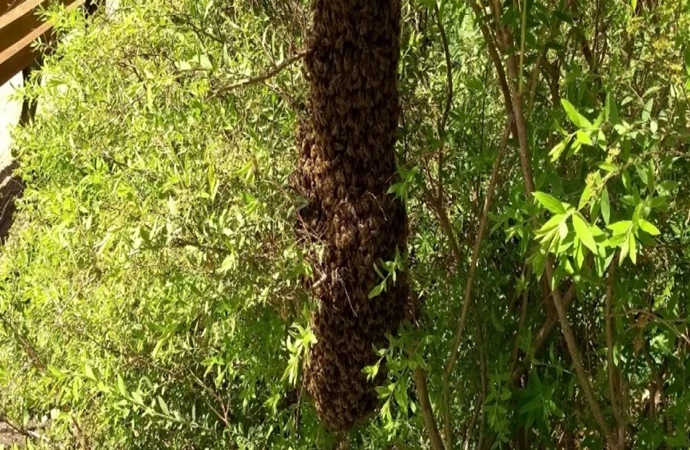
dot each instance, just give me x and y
(346, 166)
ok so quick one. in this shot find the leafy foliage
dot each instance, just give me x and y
(151, 289)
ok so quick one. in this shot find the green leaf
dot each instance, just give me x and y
(625, 175)
(611, 109)
(625, 247)
(136, 396)
(584, 198)
(88, 371)
(647, 110)
(622, 227)
(649, 228)
(558, 150)
(643, 174)
(575, 117)
(616, 240)
(549, 202)
(584, 233)
(563, 230)
(121, 386)
(228, 263)
(583, 138)
(57, 373)
(677, 441)
(552, 223)
(605, 205)
(607, 166)
(633, 249)
(377, 290)
(163, 405)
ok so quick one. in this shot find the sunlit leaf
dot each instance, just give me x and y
(649, 227)
(549, 202)
(575, 117)
(583, 232)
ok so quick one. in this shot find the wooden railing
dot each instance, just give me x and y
(20, 25)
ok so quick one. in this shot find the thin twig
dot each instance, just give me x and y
(543, 334)
(447, 226)
(24, 344)
(449, 99)
(467, 298)
(523, 26)
(262, 77)
(521, 325)
(483, 369)
(613, 374)
(493, 54)
(449, 72)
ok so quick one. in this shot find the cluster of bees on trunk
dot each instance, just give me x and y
(346, 166)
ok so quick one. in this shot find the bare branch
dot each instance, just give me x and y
(577, 362)
(543, 334)
(262, 77)
(427, 411)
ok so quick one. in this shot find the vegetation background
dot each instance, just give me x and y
(151, 290)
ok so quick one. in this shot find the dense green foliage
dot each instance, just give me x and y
(151, 291)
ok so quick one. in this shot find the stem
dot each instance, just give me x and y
(262, 77)
(523, 27)
(427, 411)
(449, 99)
(469, 284)
(613, 373)
(484, 380)
(577, 362)
(543, 334)
(521, 325)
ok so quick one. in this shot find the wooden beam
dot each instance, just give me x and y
(18, 29)
(8, 5)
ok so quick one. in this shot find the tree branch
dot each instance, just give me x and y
(613, 373)
(427, 411)
(577, 362)
(262, 77)
(523, 317)
(543, 334)
(449, 99)
(24, 343)
(470, 279)
(449, 71)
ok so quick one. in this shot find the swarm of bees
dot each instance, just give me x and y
(346, 166)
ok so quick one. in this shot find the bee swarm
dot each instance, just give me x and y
(346, 166)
